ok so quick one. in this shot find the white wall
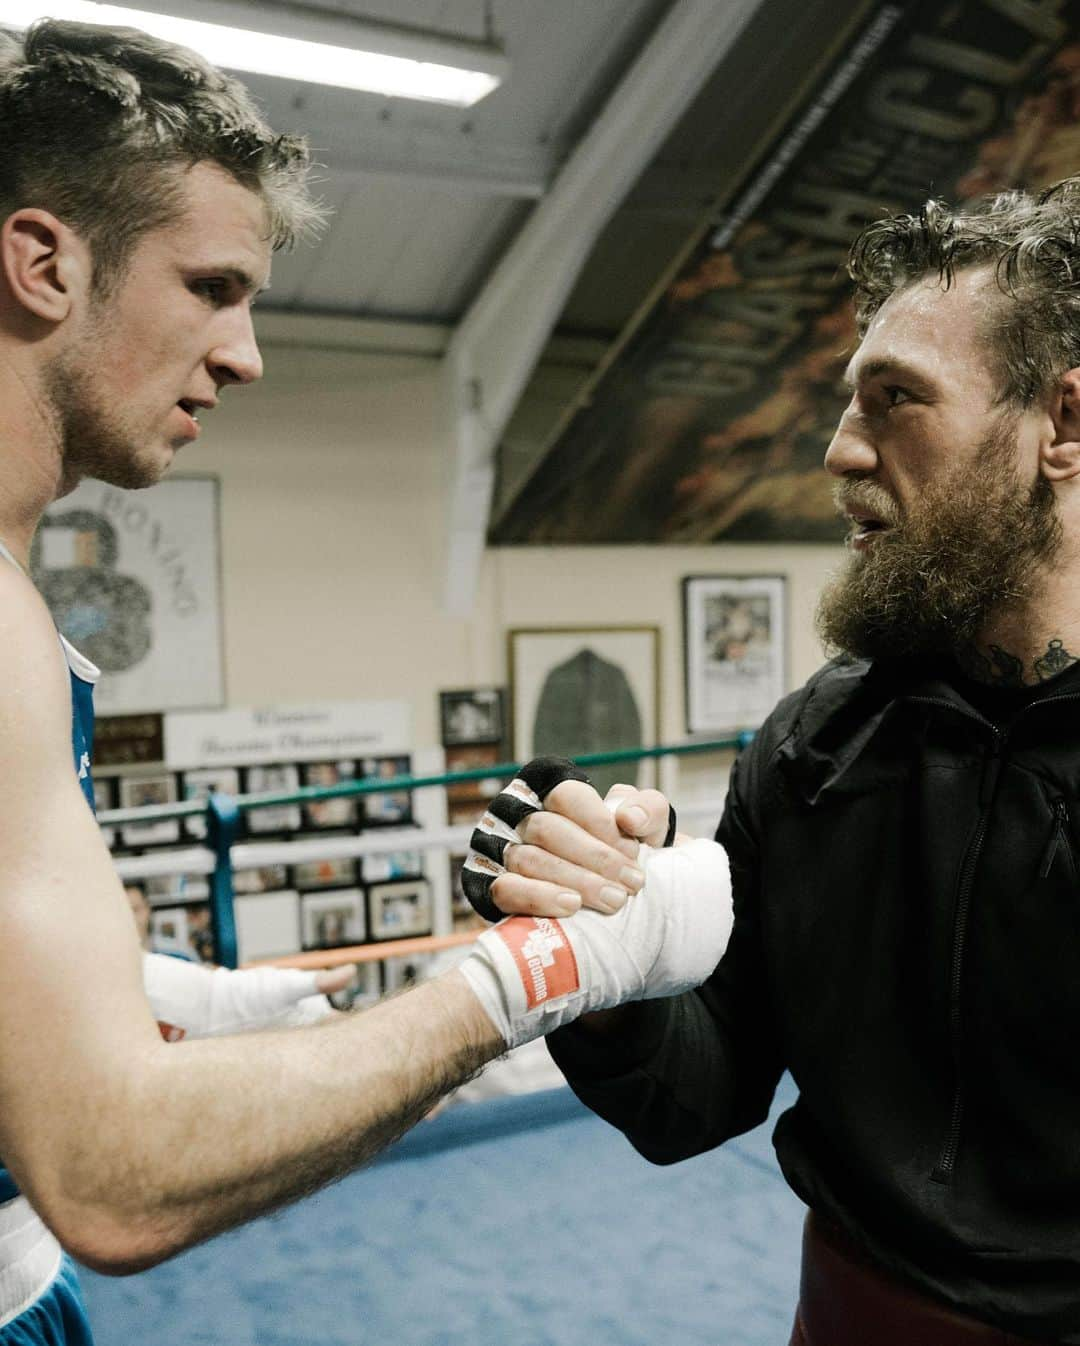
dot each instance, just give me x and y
(332, 476)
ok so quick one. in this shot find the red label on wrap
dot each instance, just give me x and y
(543, 957)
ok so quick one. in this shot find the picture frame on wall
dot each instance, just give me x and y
(472, 715)
(322, 813)
(331, 920)
(586, 689)
(278, 778)
(388, 807)
(145, 791)
(133, 579)
(400, 910)
(735, 650)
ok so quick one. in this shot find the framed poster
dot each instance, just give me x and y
(578, 689)
(389, 806)
(333, 919)
(735, 650)
(137, 792)
(473, 715)
(132, 579)
(400, 910)
(330, 812)
(281, 778)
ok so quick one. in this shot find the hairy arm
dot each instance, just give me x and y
(131, 1149)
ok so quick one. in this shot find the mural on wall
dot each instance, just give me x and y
(713, 422)
(132, 579)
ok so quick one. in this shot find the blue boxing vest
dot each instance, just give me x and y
(83, 675)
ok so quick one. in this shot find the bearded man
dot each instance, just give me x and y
(903, 830)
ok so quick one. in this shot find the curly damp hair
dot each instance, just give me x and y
(97, 125)
(1032, 243)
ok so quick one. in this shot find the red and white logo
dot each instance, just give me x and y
(543, 957)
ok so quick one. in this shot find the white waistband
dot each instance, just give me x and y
(29, 1258)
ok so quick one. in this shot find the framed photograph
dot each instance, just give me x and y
(132, 579)
(330, 812)
(264, 879)
(473, 757)
(399, 910)
(331, 920)
(201, 784)
(267, 924)
(183, 930)
(474, 715)
(277, 779)
(390, 806)
(399, 973)
(138, 792)
(391, 865)
(735, 650)
(338, 873)
(577, 689)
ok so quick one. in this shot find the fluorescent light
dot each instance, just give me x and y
(395, 63)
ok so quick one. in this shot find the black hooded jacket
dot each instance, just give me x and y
(905, 852)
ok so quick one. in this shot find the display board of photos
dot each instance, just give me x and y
(313, 904)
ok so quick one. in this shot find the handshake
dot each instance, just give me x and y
(534, 973)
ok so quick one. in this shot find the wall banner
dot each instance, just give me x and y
(713, 422)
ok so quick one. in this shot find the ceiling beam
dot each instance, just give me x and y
(497, 344)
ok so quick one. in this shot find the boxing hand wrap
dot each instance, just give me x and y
(533, 974)
(497, 828)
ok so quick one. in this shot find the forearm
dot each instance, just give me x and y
(208, 1134)
(672, 1075)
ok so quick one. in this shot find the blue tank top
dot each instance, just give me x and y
(83, 676)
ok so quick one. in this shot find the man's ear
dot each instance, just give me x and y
(45, 264)
(1061, 456)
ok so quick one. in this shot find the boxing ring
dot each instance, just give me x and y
(516, 1221)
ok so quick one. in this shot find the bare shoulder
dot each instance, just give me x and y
(35, 692)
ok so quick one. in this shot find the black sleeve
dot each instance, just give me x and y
(687, 1073)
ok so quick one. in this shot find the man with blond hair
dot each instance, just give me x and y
(141, 198)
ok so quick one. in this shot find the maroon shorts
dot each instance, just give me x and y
(844, 1301)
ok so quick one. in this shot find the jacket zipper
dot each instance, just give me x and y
(1059, 837)
(943, 1169)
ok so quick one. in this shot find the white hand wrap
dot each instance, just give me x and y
(533, 974)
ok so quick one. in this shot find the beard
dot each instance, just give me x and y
(94, 440)
(970, 548)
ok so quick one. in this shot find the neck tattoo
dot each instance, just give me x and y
(1000, 668)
